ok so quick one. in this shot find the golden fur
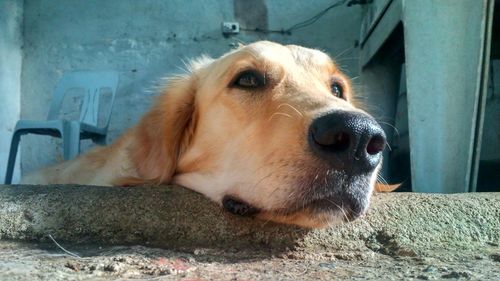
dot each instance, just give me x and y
(220, 140)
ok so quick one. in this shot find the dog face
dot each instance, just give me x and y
(265, 130)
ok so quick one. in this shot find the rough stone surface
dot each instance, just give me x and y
(170, 232)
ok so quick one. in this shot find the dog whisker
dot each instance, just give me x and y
(262, 179)
(388, 145)
(279, 113)
(343, 53)
(340, 208)
(266, 221)
(390, 125)
(346, 59)
(343, 210)
(381, 178)
(292, 107)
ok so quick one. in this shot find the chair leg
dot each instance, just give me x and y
(71, 140)
(14, 144)
(101, 140)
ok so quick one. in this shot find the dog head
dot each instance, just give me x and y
(265, 130)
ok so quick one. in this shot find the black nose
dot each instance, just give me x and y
(351, 141)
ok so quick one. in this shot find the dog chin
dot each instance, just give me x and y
(320, 207)
(307, 218)
(316, 214)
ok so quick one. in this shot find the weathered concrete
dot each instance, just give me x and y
(173, 216)
(402, 236)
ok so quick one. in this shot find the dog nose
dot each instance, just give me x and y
(352, 141)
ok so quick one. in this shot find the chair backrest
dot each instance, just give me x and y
(92, 83)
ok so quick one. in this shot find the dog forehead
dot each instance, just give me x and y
(290, 54)
(311, 57)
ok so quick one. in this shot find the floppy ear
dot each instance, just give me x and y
(164, 131)
(380, 187)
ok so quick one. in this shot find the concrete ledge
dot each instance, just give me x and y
(168, 216)
(398, 224)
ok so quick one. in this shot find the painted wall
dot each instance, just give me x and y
(146, 40)
(11, 16)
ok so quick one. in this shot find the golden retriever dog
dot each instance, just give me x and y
(266, 130)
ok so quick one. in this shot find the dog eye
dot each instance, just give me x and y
(249, 79)
(337, 89)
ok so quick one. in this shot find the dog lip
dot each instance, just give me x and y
(349, 209)
(334, 205)
(238, 207)
(325, 205)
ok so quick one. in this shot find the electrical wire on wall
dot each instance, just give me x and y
(299, 25)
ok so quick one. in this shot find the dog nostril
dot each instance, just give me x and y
(375, 145)
(340, 142)
(335, 142)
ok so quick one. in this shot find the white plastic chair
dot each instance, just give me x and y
(71, 131)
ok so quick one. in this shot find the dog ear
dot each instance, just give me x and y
(165, 131)
(380, 187)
